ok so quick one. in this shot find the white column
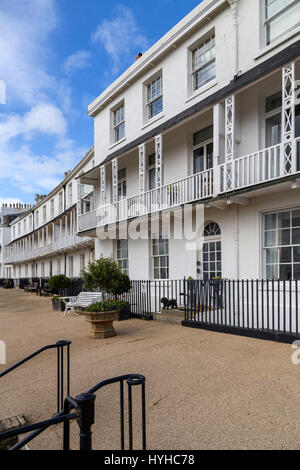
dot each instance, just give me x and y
(103, 185)
(159, 160)
(288, 160)
(142, 168)
(229, 142)
(78, 202)
(115, 182)
(71, 223)
(60, 229)
(218, 146)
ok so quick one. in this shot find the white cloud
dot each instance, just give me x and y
(42, 119)
(32, 172)
(29, 171)
(121, 37)
(24, 29)
(76, 61)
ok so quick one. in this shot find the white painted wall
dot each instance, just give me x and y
(174, 65)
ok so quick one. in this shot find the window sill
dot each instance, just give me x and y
(202, 90)
(153, 120)
(117, 143)
(277, 43)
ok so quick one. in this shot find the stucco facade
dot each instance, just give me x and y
(206, 122)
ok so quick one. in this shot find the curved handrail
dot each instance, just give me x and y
(132, 379)
(70, 404)
(59, 346)
(33, 355)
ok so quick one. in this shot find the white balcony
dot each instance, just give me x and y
(65, 244)
(259, 167)
(193, 188)
(256, 168)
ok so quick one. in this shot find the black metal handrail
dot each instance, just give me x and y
(84, 405)
(59, 346)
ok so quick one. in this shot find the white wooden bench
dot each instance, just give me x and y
(84, 299)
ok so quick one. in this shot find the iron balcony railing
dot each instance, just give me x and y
(14, 254)
(187, 190)
(259, 167)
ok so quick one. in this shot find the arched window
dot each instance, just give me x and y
(212, 252)
(212, 230)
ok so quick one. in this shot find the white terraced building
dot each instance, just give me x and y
(8, 212)
(208, 118)
(44, 239)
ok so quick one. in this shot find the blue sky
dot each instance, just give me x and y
(56, 56)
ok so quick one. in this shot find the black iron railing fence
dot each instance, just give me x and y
(259, 306)
(252, 305)
(63, 368)
(84, 406)
(144, 297)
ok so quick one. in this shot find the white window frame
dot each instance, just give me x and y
(269, 114)
(275, 16)
(277, 246)
(194, 70)
(150, 101)
(208, 240)
(70, 193)
(150, 168)
(82, 262)
(203, 144)
(158, 239)
(52, 208)
(44, 213)
(120, 258)
(117, 124)
(121, 186)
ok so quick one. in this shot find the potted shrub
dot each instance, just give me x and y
(106, 275)
(58, 284)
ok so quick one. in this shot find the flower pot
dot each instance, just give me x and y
(101, 323)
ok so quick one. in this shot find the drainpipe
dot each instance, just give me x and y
(234, 7)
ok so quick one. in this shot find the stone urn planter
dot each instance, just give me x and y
(101, 323)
